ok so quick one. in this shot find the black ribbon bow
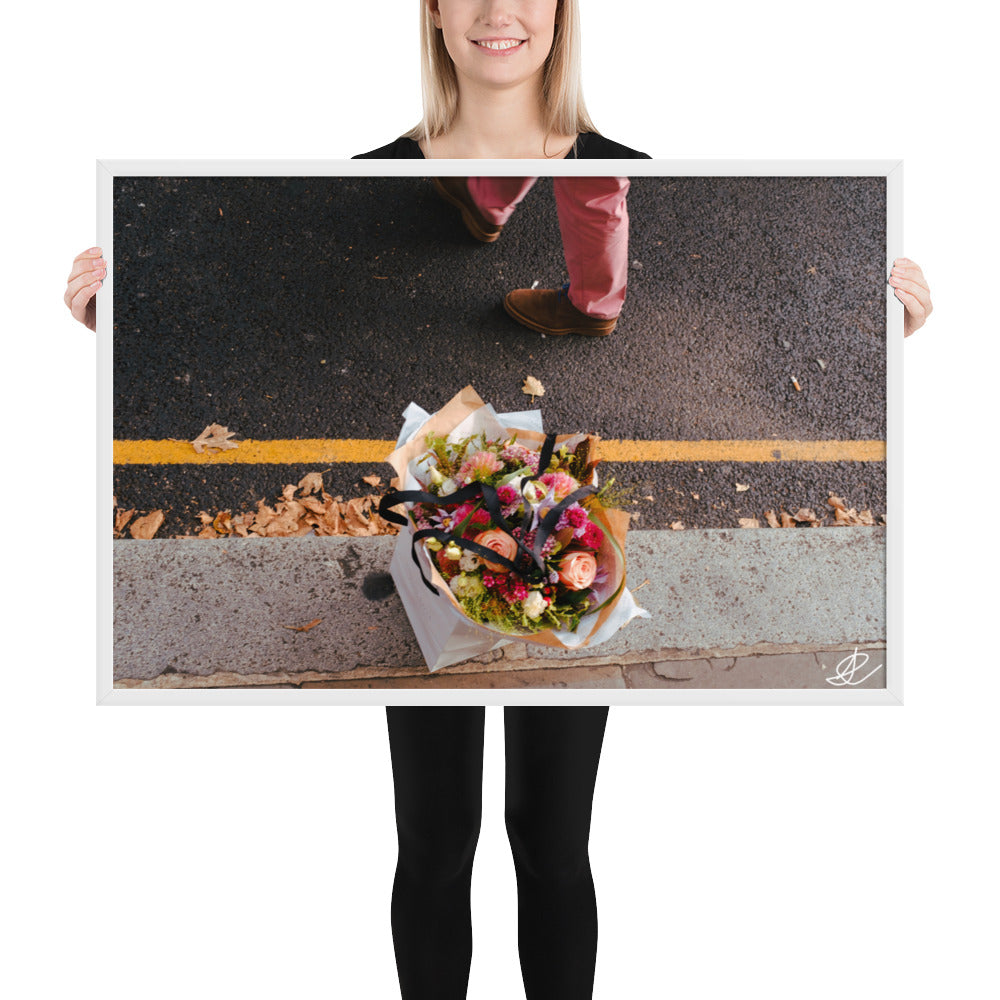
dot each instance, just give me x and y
(527, 560)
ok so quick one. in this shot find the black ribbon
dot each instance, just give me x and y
(528, 558)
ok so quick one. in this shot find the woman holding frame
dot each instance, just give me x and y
(501, 79)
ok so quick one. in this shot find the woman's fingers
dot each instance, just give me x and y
(910, 287)
(84, 263)
(917, 311)
(85, 277)
(81, 305)
(903, 267)
(82, 281)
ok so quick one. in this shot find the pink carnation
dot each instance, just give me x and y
(508, 495)
(574, 517)
(517, 454)
(479, 467)
(561, 482)
(591, 536)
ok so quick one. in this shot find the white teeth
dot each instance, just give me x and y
(506, 44)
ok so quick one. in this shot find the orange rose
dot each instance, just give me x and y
(577, 570)
(499, 542)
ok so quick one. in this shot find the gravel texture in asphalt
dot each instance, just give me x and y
(311, 307)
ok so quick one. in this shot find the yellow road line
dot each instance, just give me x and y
(313, 451)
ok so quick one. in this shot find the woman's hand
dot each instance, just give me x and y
(87, 275)
(911, 289)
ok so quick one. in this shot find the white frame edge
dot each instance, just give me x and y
(891, 694)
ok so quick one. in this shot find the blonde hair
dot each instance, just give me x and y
(562, 91)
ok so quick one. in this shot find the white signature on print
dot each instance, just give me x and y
(847, 671)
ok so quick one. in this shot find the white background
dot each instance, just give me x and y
(249, 852)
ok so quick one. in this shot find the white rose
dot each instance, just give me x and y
(527, 488)
(468, 562)
(453, 551)
(448, 486)
(436, 477)
(534, 604)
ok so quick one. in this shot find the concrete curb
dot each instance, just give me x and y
(213, 613)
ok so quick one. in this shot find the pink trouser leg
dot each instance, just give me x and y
(593, 220)
(497, 197)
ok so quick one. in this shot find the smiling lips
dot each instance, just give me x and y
(498, 45)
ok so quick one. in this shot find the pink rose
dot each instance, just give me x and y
(577, 570)
(499, 542)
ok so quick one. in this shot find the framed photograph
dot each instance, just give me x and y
(627, 435)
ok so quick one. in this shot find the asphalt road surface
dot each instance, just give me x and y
(312, 307)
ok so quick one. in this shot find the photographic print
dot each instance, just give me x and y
(375, 435)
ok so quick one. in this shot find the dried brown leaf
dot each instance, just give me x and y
(372, 480)
(147, 526)
(749, 522)
(214, 436)
(677, 526)
(330, 522)
(355, 520)
(532, 387)
(836, 502)
(223, 522)
(303, 628)
(740, 488)
(771, 518)
(315, 506)
(122, 517)
(787, 520)
(241, 524)
(311, 482)
(805, 515)
(291, 508)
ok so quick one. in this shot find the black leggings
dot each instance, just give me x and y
(552, 753)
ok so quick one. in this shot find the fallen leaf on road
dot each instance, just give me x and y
(311, 482)
(214, 436)
(532, 387)
(677, 526)
(147, 526)
(749, 522)
(303, 628)
(122, 518)
(292, 517)
(740, 487)
(357, 523)
(223, 522)
(771, 518)
(372, 480)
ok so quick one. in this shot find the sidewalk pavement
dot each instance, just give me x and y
(731, 608)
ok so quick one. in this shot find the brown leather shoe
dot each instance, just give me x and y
(456, 191)
(550, 311)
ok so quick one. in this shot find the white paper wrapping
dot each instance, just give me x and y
(444, 634)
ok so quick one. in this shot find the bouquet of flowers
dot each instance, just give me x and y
(510, 528)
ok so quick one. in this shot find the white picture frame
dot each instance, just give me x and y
(845, 694)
